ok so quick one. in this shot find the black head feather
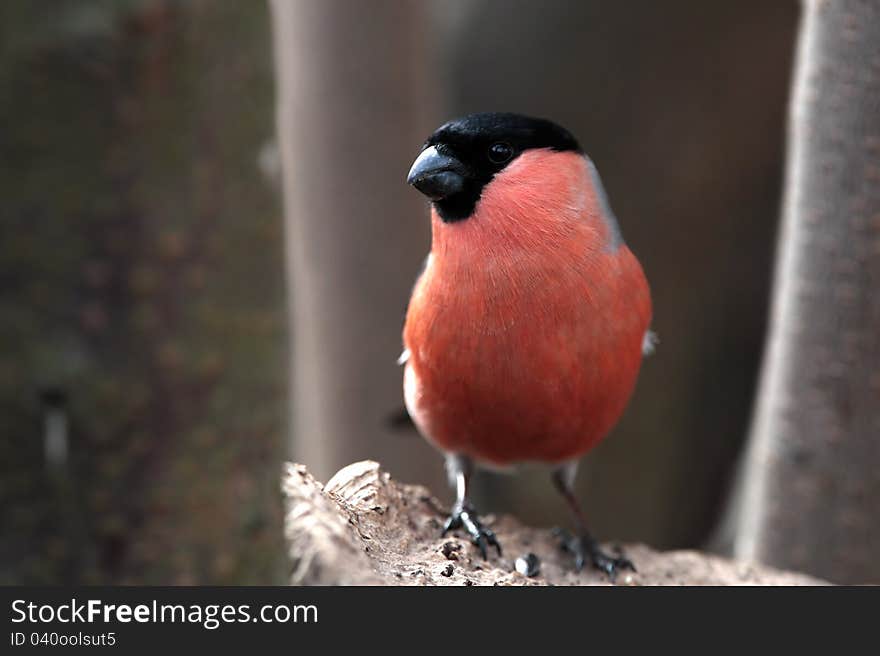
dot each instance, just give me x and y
(484, 144)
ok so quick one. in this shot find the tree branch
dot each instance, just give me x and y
(363, 528)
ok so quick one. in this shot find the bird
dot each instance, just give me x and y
(526, 328)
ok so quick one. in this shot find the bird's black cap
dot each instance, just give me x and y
(522, 132)
(463, 155)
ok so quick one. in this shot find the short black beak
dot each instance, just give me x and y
(436, 175)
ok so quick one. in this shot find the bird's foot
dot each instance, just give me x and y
(465, 517)
(584, 548)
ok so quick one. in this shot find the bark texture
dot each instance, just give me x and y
(363, 528)
(812, 484)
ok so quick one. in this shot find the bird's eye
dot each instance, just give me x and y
(500, 152)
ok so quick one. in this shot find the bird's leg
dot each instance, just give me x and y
(463, 514)
(583, 545)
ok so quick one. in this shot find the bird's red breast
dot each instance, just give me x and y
(525, 330)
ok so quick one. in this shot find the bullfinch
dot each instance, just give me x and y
(527, 327)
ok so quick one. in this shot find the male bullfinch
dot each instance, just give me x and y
(526, 329)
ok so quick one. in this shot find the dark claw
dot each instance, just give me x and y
(584, 547)
(482, 537)
(451, 524)
(611, 565)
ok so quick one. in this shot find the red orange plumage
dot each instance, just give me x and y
(526, 328)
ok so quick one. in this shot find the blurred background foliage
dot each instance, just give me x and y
(142, 283)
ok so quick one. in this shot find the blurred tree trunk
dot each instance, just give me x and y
(142, 294)
(353, 83)
(812, 482)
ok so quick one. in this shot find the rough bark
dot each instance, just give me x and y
(363, 528)
(812, 484)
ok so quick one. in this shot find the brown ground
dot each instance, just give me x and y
(363, 528)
